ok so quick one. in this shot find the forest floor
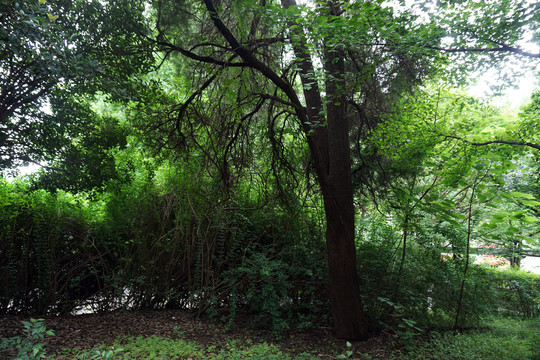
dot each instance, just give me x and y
(89, 331)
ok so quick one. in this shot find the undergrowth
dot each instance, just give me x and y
(27, 347)
(159, 348)
(503, 338)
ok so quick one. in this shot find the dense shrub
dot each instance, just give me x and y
(181, 242)
(46, 250)
(517, 292)
(424, 291)
(178, 245)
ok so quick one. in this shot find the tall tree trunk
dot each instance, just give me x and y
(350, 321)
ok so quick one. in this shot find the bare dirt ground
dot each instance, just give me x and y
(87, 331)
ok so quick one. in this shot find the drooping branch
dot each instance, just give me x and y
(316, 134)
(505, 142)
(502, 48)
(256, 63)
(194, 56)
(199, 91)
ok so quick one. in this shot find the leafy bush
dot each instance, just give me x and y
(176, 245)
(47, 251)
(277, 292)
(517, 292)
(506, 339)
(27, 348)
(424, 291)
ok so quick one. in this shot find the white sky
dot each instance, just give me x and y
(513, 97)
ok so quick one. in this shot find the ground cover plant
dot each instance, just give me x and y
(500, 338)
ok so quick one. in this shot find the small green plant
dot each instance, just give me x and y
(103, 352)
(348, 353)
(100, 354)
(179, 331)
(407, 329)
(26, 347)
(159, 348)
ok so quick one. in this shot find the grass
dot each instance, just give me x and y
(508, 339)
(502, 338)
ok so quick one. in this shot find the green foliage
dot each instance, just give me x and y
(475, 42)
(162, 348)
(74, 62)
(27, 348)
(211, 207)
(506, 339)
(503, 339)
(163, 240)
(235, 351)
(277, 291)
(424, 292)
(43, 235)
(86, 160)
(517, 292)
(158, 348)
(100, 353)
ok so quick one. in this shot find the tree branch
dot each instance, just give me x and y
(501, 48)
(506, 142)
(256, 63)
(52, 168)
(205, 59)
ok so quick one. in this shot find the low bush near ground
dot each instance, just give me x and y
(518, 292)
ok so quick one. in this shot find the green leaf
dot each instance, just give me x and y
(52, 17)
(500, 215)
(521, 195)
(530, 202)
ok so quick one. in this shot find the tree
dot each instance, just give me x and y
(58, 49)
(469, 27)
(332, 66)
(336, 67)
(83, 160)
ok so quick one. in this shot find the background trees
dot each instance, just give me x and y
(54, 53)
